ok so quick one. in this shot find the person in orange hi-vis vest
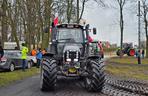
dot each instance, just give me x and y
(33, 52)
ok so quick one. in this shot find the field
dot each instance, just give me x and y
(127, 67)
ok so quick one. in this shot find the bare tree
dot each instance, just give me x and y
(11, 10)
(69, 10)
(145, 12)
(121, 4)
(4, 22)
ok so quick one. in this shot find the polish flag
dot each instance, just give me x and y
(107, 44)
(55, 21)
(100, 45)
(90, 39)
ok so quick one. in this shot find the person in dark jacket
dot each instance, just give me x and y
(139, 57)
(143, 53)
(39, 57)
(1, 52)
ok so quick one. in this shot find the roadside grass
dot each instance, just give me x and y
(137, 72)
(9, 77)
(110, 49)
(127, 67)
(127, 60)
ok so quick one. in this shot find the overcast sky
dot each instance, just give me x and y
(106, 20)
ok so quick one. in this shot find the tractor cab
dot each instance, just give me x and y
(67, 37)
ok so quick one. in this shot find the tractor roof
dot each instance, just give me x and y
(69, 26)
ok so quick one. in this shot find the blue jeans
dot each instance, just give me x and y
(142, 56)
(38, 63)
(23, 64)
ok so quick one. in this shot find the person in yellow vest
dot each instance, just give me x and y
(24, 56)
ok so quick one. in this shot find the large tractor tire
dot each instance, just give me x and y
(48, 75)
(120, 52)
(96, 77)
(131, 52)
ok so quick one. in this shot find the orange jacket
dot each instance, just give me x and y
(33, 52)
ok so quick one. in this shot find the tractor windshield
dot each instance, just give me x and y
(70, 34)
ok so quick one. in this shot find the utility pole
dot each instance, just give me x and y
(139, 25)
(139, 35)
(78, 12)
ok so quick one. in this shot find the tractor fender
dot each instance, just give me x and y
(48, 55)
(94, 57)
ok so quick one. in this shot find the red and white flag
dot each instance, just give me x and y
(90, 39)
(55, 21)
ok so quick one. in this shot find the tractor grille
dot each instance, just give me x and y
(72, 55)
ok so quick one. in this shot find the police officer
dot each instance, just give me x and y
(24, 56)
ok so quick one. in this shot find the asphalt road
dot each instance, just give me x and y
(30, 87)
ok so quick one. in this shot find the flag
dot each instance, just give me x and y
(55, 21)
(90, 39)
(100, 45)
(107, 45)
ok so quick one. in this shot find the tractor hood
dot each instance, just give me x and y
(72, 47)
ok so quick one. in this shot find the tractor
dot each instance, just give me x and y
(69, 55)
(128, 49)
(96, 49)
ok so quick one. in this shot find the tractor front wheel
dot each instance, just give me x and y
(96, 78)
(48, 74)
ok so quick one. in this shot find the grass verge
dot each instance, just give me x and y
(9, 77)
(127, 60)
(127, 67)
(136, 72)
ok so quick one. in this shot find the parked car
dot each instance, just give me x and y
(12, 60)
(33, 60)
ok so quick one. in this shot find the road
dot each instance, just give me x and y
(30, 87)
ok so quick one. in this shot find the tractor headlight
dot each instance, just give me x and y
(68, 60)
(76, 59)
(67, 54)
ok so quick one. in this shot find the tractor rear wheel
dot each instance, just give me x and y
(131, 52)
(48, 74)
(96, 78)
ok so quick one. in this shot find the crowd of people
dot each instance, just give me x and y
(140, 53)
(38, 53)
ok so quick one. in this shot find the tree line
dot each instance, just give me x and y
(25, 20)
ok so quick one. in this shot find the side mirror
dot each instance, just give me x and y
(86, 41)
(87, 27)
(94, 31)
